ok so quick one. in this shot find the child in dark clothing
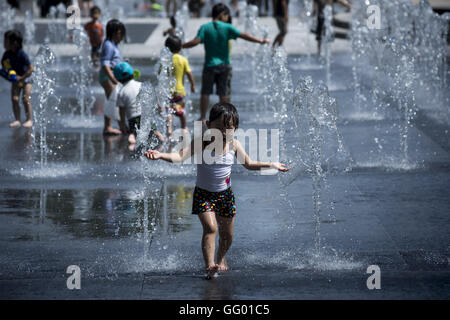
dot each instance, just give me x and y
(281, 14)
(17, 65)
(171, 30)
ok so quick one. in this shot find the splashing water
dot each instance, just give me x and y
(47, 99)
(154, 102)
(30, 28)
(327, 39)
(166, 82)
(56, 33)
(111, 10)
(81, 76)
(319, 149)
(401, 66)
(147, 210)
(150, 113)
(278, 88)
(255, 53)
(182, 19)
(278, 95)
(305, 25)
(7, 17)
(261, 75)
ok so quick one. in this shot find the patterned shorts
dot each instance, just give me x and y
(222, 203)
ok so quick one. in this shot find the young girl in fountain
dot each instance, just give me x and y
(17, 68)
(213, 199)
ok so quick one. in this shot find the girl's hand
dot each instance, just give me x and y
(279, 166)
(193, 89)
(152, 154)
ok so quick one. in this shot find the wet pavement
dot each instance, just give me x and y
(127, 223)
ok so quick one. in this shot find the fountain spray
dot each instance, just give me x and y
(45, 83)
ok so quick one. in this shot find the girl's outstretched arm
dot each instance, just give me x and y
(249, 164)
(174, 157)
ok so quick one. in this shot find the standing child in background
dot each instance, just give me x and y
(319, 6)
(180, 68)
(217, 67)
(171, 30)
(213, 199)
(126, 101)
(16, 66)
(281, 14)
(195, 7)
(174, 6)
(85, 6)
(94, 29)
(110, 57)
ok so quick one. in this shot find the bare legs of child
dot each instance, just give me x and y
(212, 223)
(108, 86)
(15, 97)
(226, 230)
(183, 121)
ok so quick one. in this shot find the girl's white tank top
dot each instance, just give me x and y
(215, 177)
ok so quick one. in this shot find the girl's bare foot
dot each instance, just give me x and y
(223, 266)
(28, 124)
(14, 124)
(211, 271)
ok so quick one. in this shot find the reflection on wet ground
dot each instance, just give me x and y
(99, 213)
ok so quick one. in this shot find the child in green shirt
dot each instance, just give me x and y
(217, 67)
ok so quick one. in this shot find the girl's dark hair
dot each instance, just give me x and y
(14, 36)
(218, 9)
(173, 43)
(229, 112)
(113, 26)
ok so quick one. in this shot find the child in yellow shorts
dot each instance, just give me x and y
(180, 68)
